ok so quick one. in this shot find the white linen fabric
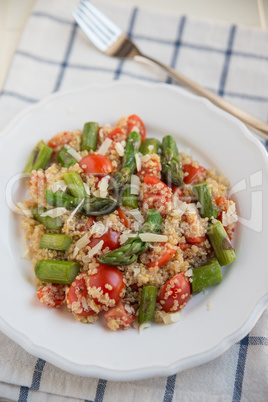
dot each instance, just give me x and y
(54, 55)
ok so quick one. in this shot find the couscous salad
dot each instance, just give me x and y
(123, 225)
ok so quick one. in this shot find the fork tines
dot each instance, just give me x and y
(98, 28)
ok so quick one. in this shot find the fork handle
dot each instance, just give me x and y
(257, 125)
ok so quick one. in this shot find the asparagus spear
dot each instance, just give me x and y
(39, 157)
(150, 146)
(147, 304)
(54, 271)
(65, 159)
(55, 241)
(221, 243)
(129, 252)
(128, 199)
(97, 206)
(75, 184)
(121, 178)
(50, 223)
(205, 276)
(203, 194)
(89, 136)
(61, 200)
(171, 163)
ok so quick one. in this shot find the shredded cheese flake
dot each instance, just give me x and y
(81, 243)
(55, 212)
(73, 153)
(87, 189)
(103, 186)
(26, 212)
(75, 210)
(150, 147)
(172, 317)
(138, 162)
(229, 216)
(135, 184)
(153, 237)
(98, 228)
(93, 251)
(137, 215)
(125, 236)
(104, 146)
(119, 149)
(59, 185)
(144, 326)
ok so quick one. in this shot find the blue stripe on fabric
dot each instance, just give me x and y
(240, 368)
(118, 71)
(18, 96)
(227, 60)
(100, 390)
(66, 58)
(51, 17)
(170, 386)
(38, 370)
(259, 340)
(37, 58)
(23, 396)
(177, 45)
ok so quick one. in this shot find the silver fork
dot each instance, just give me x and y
(111, 40)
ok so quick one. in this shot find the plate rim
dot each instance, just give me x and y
(147, 372)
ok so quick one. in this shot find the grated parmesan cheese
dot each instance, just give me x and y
(138, 161)
(81, 243)
(119, 149)
(125, 236)
(98, 228)
(229, 216)
(73, 153)
(104, 146)
(26, 212)
(93, 251)
(210, 305)
(135, 184)
(87, 189)
(153, 237)
(75, 210)
(55, 212)
(172, 317)
(144, 326)
(137, 215)
(59, 185)
(150, 148)
(103, 186)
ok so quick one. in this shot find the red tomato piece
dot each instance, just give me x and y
(163, 259)
(110, 281)
(120, 314)
(135, 121)
(196, 240)
(110, 239)
(174, 294)
(116, 133)
(89, 223)
(96, 164)
(193, 172)
(184, 246)
(151, 168)
(156, 195)
(123, 218)
(61, 139)
(77, 296)
(52, 294)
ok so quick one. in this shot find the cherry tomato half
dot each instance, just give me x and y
(77, 291)
(192, 171)
(119, 314)
(52, 294)
(168, 254)
(135, 121)
(174, 294)
(96, 164)
(110, 280)
(156, 195)
(110, 239)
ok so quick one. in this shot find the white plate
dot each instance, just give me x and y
(217, 140)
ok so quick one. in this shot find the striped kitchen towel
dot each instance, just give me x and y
(54, 55)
